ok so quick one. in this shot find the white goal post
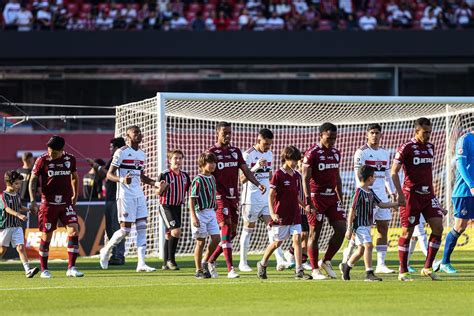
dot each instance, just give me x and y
(187, 121)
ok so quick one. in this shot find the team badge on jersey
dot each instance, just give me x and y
(48, 226)
(319, 217)
(460, 151)
(172, 223)
(235, 155)
(67, 164)
(225, 211)
(411, 219)
(463, 212)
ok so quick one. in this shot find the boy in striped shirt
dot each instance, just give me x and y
(203, 215)
(359, 222)
(172, 197)
(11, 217)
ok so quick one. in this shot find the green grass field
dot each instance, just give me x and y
(120, 290)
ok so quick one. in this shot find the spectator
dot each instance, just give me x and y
(210, 26)
(432, 6)
(178, 22)
(162, 5)
(152, 21)
(24, 21)
(429, 22)
(114, 11)
(345, 7)
(367, 22)
(10, 12)
(391, 7)
(92, 181)
(244, 19)
(168, 12)
(199, 24)
(449, 18)
(259, 22)
(253, 6)
(401, 17)
(142, 15)
(177, 6)
(300, 6)
(463, 15)
(222, 22)
(311, 18)
(269, 8)
(104, 22)
(130, 14)
(275, 22)
(283, 8)
(60, 18)
(226, 7)
(119, 22)
(28, 161)
(43, 17)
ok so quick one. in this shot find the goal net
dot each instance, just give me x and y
(187, 121)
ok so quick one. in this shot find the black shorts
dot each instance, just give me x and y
(304, 223)
(171, 215)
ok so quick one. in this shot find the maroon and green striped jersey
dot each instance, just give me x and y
(203, 188)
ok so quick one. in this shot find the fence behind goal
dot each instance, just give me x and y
(187, 121)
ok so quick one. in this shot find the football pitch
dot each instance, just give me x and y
(120, 290)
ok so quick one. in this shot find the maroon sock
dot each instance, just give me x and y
(433, 246)
(313, 257)
(72, 250)
(292, 250)
(305, 258)
(44, 253)
(215, 254)
(333, 248)
(227, 249)
(403, 249)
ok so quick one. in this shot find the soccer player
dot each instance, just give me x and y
(259, 159)
(417, 196)
(284, 202)
(57, 172)
(359, 222)
(127, 170)
(11, 216)
(323, 193)
(202, 204)
(172, 198)
(463, 198)
(229, 161)
(371, 154)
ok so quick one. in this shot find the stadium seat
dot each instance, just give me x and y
(72, 8)
(190, 15)
(209, 7)
(136, 6)
(325, 25)
(86, 8)
(419, 15)
(233, 26)
(103, 6)
(194, 7)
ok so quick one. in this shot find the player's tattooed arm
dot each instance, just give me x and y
(306, 173)
(75, 187)
(33, 185)
(396, 182)
(250, 177)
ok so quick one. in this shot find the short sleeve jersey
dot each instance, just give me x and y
(55, 177)
(417, 161)
(464, 166)
(203, 188)
(179, 184)
(226, 174)
(131, 161)
(250, 193)
(363, 204)
(324, 164)
(287, 189)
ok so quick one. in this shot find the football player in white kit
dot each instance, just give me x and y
(259, 159)
(127, 169)
(373, 155)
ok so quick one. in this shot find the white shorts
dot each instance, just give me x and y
(13, 236)
(282, 232)
(251, 212)
(129, 209)
(207, 224)
(382, 214)
(362, 235)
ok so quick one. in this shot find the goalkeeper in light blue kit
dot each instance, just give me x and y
(463, 198)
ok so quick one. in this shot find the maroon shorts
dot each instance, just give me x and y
(326, 205)
(49, 215)
(417, 204)
(225, 211)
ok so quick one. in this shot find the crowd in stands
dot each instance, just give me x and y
(234, 15)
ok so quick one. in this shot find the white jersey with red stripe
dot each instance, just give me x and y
(379, 159)
(131, 161)
(250, 193)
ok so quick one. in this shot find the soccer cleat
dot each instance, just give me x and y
(199, 274)
(405, 277)
(436, 265)
(164, 267)
(45, 275)
(447, 268)
(383, 269)
(317, 275)
(371, 277)
(282, 266)
(428, 272)
(145, 268)
(212, 270)
(104, 258)
(411, 269)
(74, 273)
(306, 266)
(232, 274)
(244, 267)
(32, 272)
(116, 262)
(346, 272)
(327, 267)
(172, 266)
(261, 271)
(300, 275)
(205, 269)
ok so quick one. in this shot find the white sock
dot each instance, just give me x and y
(26, 266)
(245, 243)
(117, 237)
(411, 249)
(141, 243)
(423, 240)
(347, 253)
(381, 254)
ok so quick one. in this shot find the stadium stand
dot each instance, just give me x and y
(234, 15)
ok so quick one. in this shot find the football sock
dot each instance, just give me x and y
(117, 237)
(172, 250)
(44, 253)
(72, 250)
(245, 243)
(26, 266)
(313, 257)
(433, 247)
(141, 242)
(411, 249)
(451, 240)
(166, 248)
(403, 249)
(423, 242)
(381, 254)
